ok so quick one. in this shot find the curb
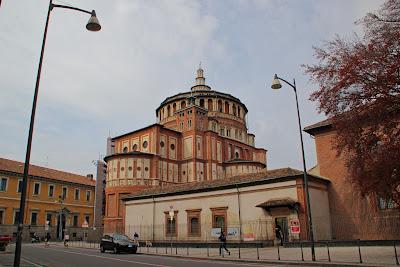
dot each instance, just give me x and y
(294, 263)
(298, 263)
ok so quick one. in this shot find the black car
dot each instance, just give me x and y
(117, 243)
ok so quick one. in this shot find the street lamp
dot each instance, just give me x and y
(277, 85)
(60, 201)
(171, 217)
(92, 25)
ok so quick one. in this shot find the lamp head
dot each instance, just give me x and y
(93, 23)
(276, 84)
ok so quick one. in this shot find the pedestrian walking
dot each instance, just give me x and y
(47, 240)
(278, 233)
(222, 240)
(66, 240)
(136, 238)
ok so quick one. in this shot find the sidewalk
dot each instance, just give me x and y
(338, 256)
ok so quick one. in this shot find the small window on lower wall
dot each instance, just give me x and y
(171, 226)
(194, 223)
(219, 218)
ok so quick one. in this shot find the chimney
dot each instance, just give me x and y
(89, 176)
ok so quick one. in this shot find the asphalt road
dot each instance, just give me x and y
(38, 255)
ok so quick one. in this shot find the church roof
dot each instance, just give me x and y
(270, 176)
(17, 168)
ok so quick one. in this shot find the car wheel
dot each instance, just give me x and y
(102, 250)
(116, 250)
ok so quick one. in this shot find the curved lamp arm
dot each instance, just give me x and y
(70, 7)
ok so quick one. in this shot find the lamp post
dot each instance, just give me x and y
(171, 217)
(277, 85)
(60, 229)
(92, 25)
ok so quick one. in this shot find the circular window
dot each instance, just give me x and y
(172, 146)
(146, 169)
(130, 168)
(184, 172)
(134, 148)
(122, 168)
(125, 150)
(162, 144)
(138, 168)
(201, 172)
(145, 144)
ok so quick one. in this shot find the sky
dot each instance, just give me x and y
(99, 84)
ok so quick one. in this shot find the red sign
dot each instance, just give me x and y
(295, 226)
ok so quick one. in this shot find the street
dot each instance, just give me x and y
(57, 256)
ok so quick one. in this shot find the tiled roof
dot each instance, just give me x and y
(253, 178)
(324, 123)
(18, 167)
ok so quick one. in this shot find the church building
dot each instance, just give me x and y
(201, 135)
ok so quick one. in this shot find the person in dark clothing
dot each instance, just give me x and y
(278, 233)
(222, 240)
(47, 240)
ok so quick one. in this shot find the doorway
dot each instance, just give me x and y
(62, 225)
(283, 225)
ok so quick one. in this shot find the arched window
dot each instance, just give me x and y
(219, 106)
(169, 110)
(183, 104)
(238, 111)
(202, 103)
(125, 150)
(134, 148)
(236, 155)
(234, 109)
(226, 107)
(210, 104)
(174, 108)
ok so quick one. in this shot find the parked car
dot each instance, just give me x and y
(117, 243)
(4, 240)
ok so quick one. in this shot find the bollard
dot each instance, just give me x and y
(395, 253)
(176, 249)
(359, 250)
(258, 253)
(279, 255)
(166, 249)
(208, 250)
(302, 254)
(329, 255)
(239, 250)
(187, 250)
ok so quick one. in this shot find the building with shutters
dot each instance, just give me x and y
(59, 198)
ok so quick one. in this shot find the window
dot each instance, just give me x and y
(3, 184)
(64, 193)
(210, 105)
(194, 223)
(170, 225)
(162, 144)
(236, 155)
(125, 150)
(87, 218)
(36, 189)
(228, 132)
(51, 191)
(75, 221)
(19, 188)
(88, 194)
(219, 218)
(2, 212)
(145, 143)
(134, 148)
(16, 217)
(34, 218)
(77, 193)
(202, 103)
(189, 124)
(49, 218)
(222, 131)
(172, 146)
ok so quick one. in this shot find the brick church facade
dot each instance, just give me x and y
(201, 135)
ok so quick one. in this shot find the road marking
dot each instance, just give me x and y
(34, 264)
(108, 258)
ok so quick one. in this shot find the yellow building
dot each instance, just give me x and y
(51, 195)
